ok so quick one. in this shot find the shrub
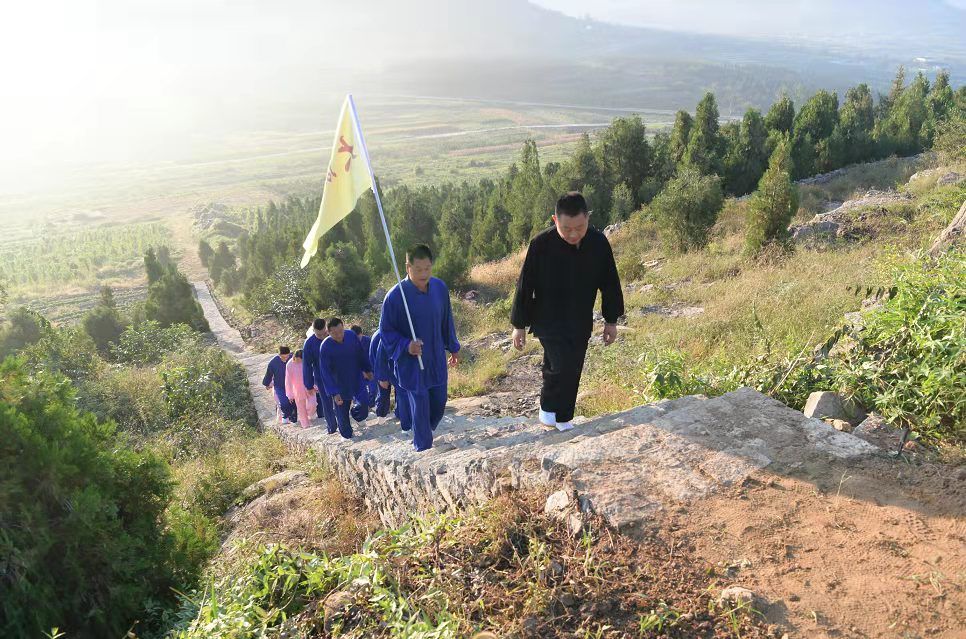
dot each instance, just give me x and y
(206, 381)
(909, 361)
(687, 209)
(147, 342)
(82, 539)
(25, 327)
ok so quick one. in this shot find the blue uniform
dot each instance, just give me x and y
(372, 388)
(382, 368)
(275, 377)
(432, 318)
(312, 378)
(342, 365)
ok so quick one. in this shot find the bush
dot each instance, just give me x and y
(206, 381)
(687, 209)
(104, 325)
(130, 397)
(82, 539)
(147, 342)
(909, 361)
(25, 327)
(65, 351)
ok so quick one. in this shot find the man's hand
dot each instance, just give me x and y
(416, 347)
(384, 385)
(337, 399)
(610, 334)
(368, 376)
(454, 359)
(519, 338)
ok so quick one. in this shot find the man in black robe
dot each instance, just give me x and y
(565, 267)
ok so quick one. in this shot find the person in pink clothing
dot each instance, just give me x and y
(303, 399)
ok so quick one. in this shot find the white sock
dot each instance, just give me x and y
(562, 426)
(548, 418)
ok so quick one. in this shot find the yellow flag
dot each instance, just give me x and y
(346, 180)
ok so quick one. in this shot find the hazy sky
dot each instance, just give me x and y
(753, 17)
(85, 81)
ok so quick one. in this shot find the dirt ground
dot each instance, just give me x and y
(877, 550)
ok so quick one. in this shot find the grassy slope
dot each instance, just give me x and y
(752, 309)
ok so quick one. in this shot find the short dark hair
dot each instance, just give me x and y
(356, 329)
(571, 204)
(297, 354)
(318, 324)
(333, 322)
(283, 350)
(419, 252)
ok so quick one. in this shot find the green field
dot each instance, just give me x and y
(71, 239)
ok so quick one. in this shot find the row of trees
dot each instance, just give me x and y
(683, 173)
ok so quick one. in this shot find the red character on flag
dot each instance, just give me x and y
(331, 175)
(345, 147)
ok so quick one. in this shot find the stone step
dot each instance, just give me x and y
(625, 466)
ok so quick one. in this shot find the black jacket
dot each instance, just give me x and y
(559, 282)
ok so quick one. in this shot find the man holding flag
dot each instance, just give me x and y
(420, 363)
(348, 176)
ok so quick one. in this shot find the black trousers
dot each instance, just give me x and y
(563, 362)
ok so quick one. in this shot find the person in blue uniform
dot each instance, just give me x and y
(275, 380)
(312, 375)
(372, 389)
(385, 378)
(345, 369)
(432, 316)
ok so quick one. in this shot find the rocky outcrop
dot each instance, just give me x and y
(625, 466)
(850, 219)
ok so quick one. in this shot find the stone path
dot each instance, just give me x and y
(624, 466)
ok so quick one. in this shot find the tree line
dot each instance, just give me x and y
(681, 176)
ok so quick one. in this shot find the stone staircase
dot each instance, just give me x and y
(624, 466)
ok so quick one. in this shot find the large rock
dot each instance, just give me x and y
(830, 406)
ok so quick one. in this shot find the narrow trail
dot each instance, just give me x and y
(836, 538)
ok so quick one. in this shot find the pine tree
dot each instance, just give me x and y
(857, 119)
(339, 280)
(624, 153)
(747, 154)
(525, 184)
(774, 204)
(704, 144)
(814, 125)
(103, 323)
(205, 252)
(152, 266)
(781, 115)
(622, 203)
(680, 134)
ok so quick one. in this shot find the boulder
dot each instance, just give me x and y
(950, 178)
(821, 229)
(830, 405)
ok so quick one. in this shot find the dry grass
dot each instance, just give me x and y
(499, 276)
(477, 372)
(317, 515)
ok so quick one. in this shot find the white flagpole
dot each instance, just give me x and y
(382, 216)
